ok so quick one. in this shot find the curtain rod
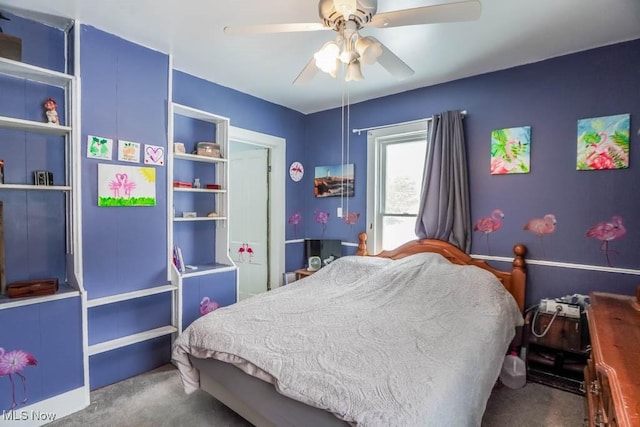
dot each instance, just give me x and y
(359, 131)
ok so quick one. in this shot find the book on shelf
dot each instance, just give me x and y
(177, 259)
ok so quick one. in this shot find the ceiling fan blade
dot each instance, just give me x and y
(273, 28)
(307, 74)
(450, 12)
(394, 65)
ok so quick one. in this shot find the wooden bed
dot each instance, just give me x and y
(514, 280)
(258, 402)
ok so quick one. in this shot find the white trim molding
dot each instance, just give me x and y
(563, 265)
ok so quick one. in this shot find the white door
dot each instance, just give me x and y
(249, 218)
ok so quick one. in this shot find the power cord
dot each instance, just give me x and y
(535, 317)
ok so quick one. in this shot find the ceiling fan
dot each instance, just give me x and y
(347, 18)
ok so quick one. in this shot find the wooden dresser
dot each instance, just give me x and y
(612, 374)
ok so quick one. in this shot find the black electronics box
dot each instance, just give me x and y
(324, 248)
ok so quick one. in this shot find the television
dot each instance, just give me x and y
(323, 248)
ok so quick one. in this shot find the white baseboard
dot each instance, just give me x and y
(46, 411)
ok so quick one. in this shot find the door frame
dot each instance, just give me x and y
(277, 185)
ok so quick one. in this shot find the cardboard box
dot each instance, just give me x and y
(10, 47)
(208, 149)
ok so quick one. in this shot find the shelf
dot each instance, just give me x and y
(29, 187)
(194, 113)
(198, 190)
(131, 339)
(199, 218)
(64, 291)
(196, 158)
(31, 126)
(130, 295)
(205, 269)
(31, 72)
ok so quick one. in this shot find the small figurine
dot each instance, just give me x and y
(50, 106)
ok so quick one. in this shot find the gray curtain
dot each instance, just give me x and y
(444, 212)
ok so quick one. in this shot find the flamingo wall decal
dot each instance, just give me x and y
(295, 219)
(490, 224)
(241, 251)
(12, 363)
(607, 231)
(322, 218)
(207, 306)
(541, 226)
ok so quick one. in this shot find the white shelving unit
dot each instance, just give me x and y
(221, 176)
(222, 262)
(32, 73)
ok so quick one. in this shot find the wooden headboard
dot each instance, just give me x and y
(514, 281)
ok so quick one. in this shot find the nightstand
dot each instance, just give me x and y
(303, 272)
(558, 358)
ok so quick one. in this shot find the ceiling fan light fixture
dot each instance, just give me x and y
(354, 72)
(368, 50)
(348, 56)
(326, 58)
(346, 7)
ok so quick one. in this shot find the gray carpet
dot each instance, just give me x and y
(156, 398)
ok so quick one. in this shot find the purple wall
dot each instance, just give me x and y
(124, 90)
(124, 96)
(248, 112)
(34, 227)
(549, 96)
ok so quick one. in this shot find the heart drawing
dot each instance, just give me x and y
(154, 155)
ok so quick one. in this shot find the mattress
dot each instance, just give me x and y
(256, 399)
(376, 342)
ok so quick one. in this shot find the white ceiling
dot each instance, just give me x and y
(508, 33)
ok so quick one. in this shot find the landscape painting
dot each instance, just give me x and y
(120, 185)
(603, 143)
(331, 181)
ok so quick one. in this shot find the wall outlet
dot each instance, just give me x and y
(339, 213)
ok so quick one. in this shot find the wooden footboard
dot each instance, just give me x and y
(514, 281)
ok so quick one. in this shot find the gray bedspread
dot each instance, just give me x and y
(413, 342)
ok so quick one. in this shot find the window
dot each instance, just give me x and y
(395, 160)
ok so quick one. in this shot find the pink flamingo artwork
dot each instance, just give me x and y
(13, 363)
(127, 185)
(607, 231)
(295, 219)
(322, 218)
(249, 251)
(116, 184)
(241, 251)
(489, 224)
(500, 165)
(541, 226)
(602, 155)
(351, 219)
(207, 306)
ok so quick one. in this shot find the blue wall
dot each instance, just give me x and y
(124, 88)
(254, 114)
(549, 96)
(34, 227)
(124, 96)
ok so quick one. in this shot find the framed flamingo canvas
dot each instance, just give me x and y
(510, 150)
(603, 143)
(120, 185)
